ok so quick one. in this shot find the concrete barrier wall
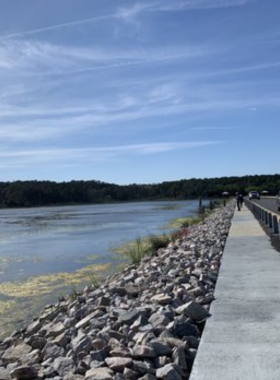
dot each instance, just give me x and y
(266, 217)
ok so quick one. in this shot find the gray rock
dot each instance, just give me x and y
(148, 376)
(139, 323)
(4, 373)
(72, 376)
(96, 364)
(143, 366)
(192, 353)
(34, 327)
(81, 299)
(115, 334)
(129, 317)
(103, 301)
(179, 357)
(99, 355)
(49, 315)
(131, 276)
(192, 341)
(129, 374)
(99, 374)
(49, 372)
(161, 348)
(184, 328)
(23, 373)
(132, 290)
(33, 357)
(143, 352)
(84, 344)
(36, 342)
(157, 319)
(173, 342)
(12, 366)
(55, 330)
(193, 310)
(63, 366)
(118, 364)
(85, 321)
(16, 353)
(62, 340)
(161, 299)
(121, 351)
(98, 344)
(80, 370)
(168, 372)
(119, 376)
(161, 361)
(119, 290)
(52, 351)
(145, 328)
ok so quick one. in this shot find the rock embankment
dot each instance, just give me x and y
(144, 323)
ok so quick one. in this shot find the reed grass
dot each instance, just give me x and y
(137, 251)
(158, 241)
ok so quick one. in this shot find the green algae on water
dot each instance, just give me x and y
(92, 257)
(6, 306)
(46, 284)
(20, 301)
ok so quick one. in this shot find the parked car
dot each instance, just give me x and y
(254, 195)
(278, 200)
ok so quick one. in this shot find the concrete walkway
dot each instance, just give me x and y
(241, 340)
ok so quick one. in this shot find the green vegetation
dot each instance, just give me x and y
(141, 247)
(42, 193)
(46, 284)
(192, 221)
(186, 222)
(74, 292)
(156, 242)
(21, 300)
(137, 251)
(182, 225)
(94, 280)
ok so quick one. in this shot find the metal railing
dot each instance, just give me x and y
(267, 217)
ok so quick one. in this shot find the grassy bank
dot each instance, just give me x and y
(135, 250)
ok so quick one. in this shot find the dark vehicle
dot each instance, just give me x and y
(254, 195)
(278, 201)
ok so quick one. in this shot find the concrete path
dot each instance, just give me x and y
(241, 340)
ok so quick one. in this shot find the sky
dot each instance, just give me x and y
(145, 91)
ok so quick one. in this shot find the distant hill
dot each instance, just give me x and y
(43, 193)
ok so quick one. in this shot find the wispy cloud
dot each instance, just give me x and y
(99, 153)
(199, 4)
(47, 58)
(42, 121)
(59, 26)
(210, 128)
(129, 13)
(244, 69)
(133, 10)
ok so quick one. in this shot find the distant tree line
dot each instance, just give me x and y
(43, 193)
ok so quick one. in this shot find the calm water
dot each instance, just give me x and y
(42, 243)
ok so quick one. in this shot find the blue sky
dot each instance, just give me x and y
(138, 91)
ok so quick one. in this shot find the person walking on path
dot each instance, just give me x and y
(239, 201)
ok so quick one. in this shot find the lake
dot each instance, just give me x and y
(50, 251)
